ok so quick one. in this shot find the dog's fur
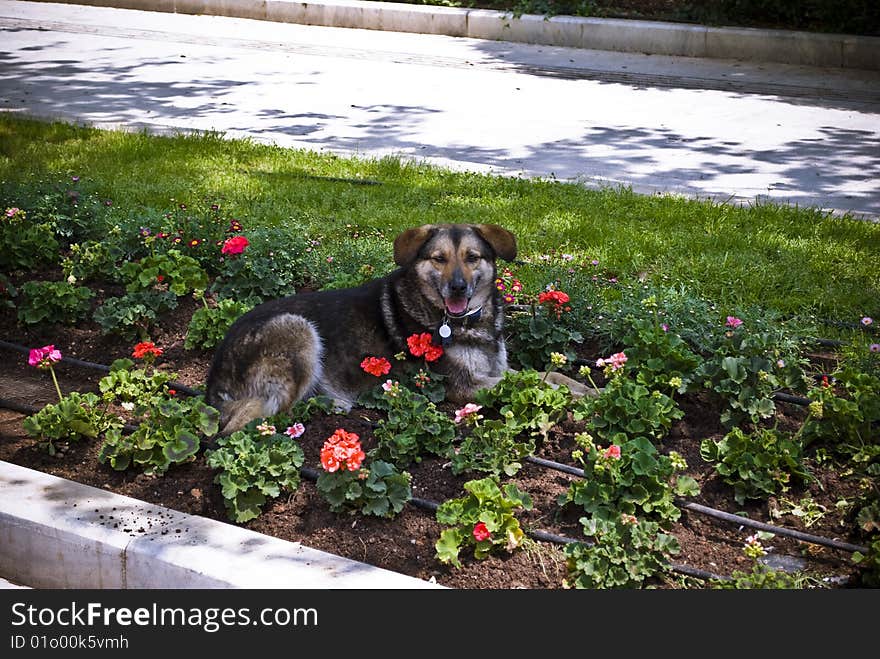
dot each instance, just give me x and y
(313, 343)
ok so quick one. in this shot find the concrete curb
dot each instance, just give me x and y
(55, 533)
(631, 36)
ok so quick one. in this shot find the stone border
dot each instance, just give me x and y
(55, 533)
(631, 36)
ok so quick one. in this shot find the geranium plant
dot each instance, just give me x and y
(483, 519)
(170, 433)
(631, 477)
(254, 465)
(625, 406)
(757, 464)
(542, 330)
(348, 484)
(74, 416)
(53, 301)
(209, 324)
(412, 428)
(625, 553)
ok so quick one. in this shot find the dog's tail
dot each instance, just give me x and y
(264, 371)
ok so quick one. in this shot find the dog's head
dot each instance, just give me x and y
(455, 262)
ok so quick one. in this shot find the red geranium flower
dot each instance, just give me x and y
(555, 300)
(234, 246)
(377, 366)
(342, 450)
(420, 346)
(146, 349)
(481, 532)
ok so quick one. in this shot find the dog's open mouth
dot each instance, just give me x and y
(456, 306)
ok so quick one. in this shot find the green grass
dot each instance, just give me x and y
(787, 260)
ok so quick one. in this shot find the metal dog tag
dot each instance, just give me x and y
(445, 332)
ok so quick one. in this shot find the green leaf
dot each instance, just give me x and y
(449, 545)
(184, 445)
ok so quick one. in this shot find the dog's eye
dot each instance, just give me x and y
(473, 258)
(438, 258)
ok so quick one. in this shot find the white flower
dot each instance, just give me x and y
(71, 280)
(128, 407)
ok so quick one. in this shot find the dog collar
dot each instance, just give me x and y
(445, 330)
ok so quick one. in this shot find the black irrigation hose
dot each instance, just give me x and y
(788, 398)
(543, 536)
(720, 514)
(177, 386)
(761, 526)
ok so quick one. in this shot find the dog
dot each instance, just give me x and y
(313, 343)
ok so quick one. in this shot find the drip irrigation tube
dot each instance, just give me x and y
(543, 536)
(720, 514)
(761, 526)
(177, 386)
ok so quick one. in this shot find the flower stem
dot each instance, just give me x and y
(55, 380)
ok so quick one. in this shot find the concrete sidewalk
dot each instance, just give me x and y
(722, 129)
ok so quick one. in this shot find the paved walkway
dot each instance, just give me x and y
(711, 128)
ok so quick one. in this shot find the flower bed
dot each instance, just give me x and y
(689, 411)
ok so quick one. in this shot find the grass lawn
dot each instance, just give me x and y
(790, 261)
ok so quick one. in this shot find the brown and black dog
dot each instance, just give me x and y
(313, 343)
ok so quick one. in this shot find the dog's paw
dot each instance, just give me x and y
(577, 389)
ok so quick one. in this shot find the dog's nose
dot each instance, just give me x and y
(458, 285)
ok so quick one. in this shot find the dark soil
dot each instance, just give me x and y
(406, 543)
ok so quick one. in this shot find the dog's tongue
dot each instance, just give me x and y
(456, 306)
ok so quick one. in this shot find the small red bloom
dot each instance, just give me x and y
(481, 532)
(160, 278)
(145, 349)
(377, 366)
(612, 451)
(172, 392)
(234, 246)
(420, 346)
(555, 300)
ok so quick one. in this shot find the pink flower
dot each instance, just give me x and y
(481, 532)
(733, 321)
(44, 357)
(467, 411)
(867, 321)
(234, 246)
(874, 347)
(664, 327)
(612, 452)
(391, 387)
(296, 430)
(615, 361)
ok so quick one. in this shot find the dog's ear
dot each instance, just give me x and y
(408, 244)
(500, 239)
